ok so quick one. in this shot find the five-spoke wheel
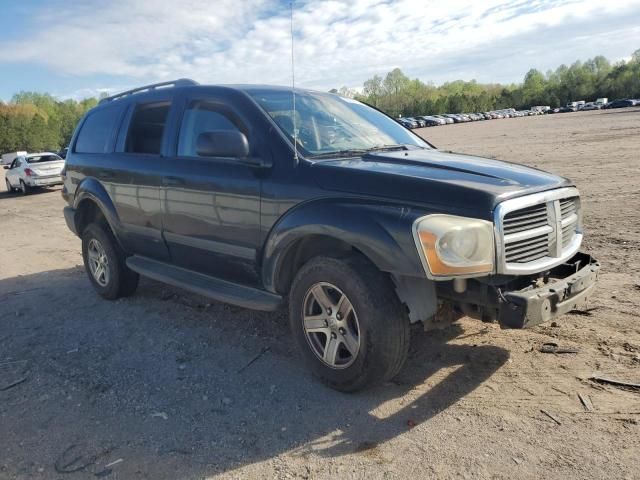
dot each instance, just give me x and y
(331, 325)
(348, 322)
(98, 262)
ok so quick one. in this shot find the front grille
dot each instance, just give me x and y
(569, 213)
(538, 230)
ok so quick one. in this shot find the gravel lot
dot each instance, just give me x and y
(167, 385)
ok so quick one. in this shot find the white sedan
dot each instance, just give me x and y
(34, 170)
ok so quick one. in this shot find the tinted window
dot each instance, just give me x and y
(96, 130)
(198, 118)
(146, 128)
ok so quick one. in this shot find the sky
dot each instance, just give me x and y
(80, 48)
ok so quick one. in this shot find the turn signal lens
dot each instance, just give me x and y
(28, 172)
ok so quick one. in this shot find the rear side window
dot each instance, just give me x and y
(95, 134)
(147, 128)
(200, 117)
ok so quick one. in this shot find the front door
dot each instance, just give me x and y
(211, 217)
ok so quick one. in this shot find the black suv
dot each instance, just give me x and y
(264, 196)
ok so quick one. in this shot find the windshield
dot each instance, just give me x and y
(329, 124)
(43, 158)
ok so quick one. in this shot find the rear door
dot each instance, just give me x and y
(137, 178)
(211, 219)
(120, 145)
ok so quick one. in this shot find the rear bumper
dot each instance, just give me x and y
(70, 218)
(570, 290)
(44, 182)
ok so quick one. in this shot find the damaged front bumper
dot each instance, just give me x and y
(526, 301)
(570, 286)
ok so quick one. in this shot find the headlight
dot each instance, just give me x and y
(452, 246)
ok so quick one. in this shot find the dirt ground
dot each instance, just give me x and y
(167, 385)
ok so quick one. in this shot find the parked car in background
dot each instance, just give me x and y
(602, 101)
(591, 106)
(421, 123)
(454, 117)
(63, 153)
(445, 118)
(7, 158)
(34, 170)
(621, 103)
(405, 122)
(431, 121)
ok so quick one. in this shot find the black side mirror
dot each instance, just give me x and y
(7, 167)
(223, 143)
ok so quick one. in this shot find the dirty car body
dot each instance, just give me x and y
(231, 192)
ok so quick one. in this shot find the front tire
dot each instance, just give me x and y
(105, 263)
(10, 189)
(348, 322)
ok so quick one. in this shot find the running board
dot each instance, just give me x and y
(211, 287)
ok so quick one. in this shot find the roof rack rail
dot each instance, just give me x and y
(181, 82)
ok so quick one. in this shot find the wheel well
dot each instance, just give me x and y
(307, 248)
(86, 213)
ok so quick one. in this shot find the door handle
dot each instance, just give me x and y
(172, 181)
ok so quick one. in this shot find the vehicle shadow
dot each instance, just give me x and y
(181, 387)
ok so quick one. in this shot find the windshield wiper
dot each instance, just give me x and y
(382, 148)
(354, 152)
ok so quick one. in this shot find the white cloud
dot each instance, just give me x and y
(338, 42)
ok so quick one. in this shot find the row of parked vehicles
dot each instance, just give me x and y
(436, 120)
(447, 118)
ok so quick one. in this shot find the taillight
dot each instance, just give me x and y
(28, 172)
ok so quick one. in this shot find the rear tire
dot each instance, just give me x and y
(105, 263)
(371, 333)
(24, 188)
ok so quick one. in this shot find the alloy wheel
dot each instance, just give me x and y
(98, 262)
(331, 325)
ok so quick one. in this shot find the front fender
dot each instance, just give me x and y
(383, 233)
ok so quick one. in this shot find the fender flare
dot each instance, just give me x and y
(383, 233)
(92, 190)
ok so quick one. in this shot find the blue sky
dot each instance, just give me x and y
(81, 48)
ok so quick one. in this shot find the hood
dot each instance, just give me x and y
(461, 183)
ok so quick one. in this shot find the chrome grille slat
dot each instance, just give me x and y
(543, 239)
(529, 256)
(538, 231)
(523, 235)
(525, 221)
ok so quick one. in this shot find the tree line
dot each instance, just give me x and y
(37, 121)
(396, 94)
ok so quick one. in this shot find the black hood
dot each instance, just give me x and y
(462, 183)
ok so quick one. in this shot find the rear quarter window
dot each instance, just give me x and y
(96, 131)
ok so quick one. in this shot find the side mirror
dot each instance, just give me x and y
(223, 143)
(6, 167)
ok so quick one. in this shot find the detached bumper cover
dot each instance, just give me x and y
(574, 283)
